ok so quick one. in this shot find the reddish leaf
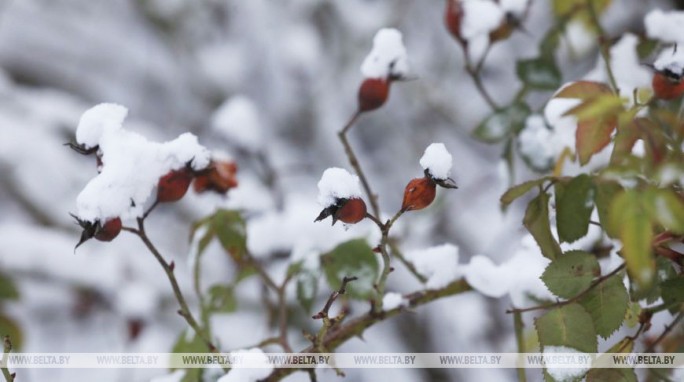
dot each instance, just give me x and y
(592, 136)
(583, 90)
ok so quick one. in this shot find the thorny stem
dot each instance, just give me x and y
(184, 310)
(668, 329)
(596, 283)
(603, 48)
(337, 335)
(323, 313)
(7, 348)
(354, 162)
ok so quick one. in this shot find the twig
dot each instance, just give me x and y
(603, 48)
(409, 265)
(593, 285)
(474, 73)
(340, 334)
(184, 310)
(354, 162)
(7, 348)
(668, 329)
(333, 296)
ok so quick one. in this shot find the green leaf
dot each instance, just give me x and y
(307, 290)
(631, 221)
(502, 123)
(352, 258)
(597, 107)
(673, 292)
(607, 305)
(521, 189)
(611, 375)
(536, 221)
(539, 73)
(569, 325)
(571, 273)
(667, 208)
(573, 208)
(231, 231)
(605, 192)
(8, 290)
(583, 90)
(222, 299)
(188, 342)
(10, 327)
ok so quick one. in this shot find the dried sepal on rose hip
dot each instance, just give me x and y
(106, 231)
(668, 76)
(219, 177)
(339, 193)
(387, 62)
(420, 192)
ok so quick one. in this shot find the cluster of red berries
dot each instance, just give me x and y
(218, 176)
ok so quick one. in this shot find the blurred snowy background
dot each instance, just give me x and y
(294, 67)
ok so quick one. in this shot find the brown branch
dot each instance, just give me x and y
(184, 310)
(333, 296)
(668, 329)
(583, 293)
(354, 162)
(340, 334)
(7, 348)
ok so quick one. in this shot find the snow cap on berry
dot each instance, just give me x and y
(132, 165)
(437, 161)
(337, 183)
(670, 60)
(388, 58)
(98, 119)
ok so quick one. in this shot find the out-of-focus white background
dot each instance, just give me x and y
(173, 63)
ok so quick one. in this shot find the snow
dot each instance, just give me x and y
(628, 70)
(337, 183)
(388, 57)
(672, 60)
(480, 17)
(137, 299)
(132, 165)
(240, 374)
(564, 373)
(665, 26)
(237, 120)
(97, 121)
(519, 276)
(439, 264)
(534, 141)
(437, 161)
(393, 300)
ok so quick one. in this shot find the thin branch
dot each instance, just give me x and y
(354, 162)
(340, 334)
(668, 329)
(409, 265)
(596, 283)
(184, 310)
(7, 348)
(323, 313)
(603, 48)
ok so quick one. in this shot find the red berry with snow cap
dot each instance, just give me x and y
(173, 186)
(373, 93)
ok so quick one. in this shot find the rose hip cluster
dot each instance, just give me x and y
(219, 176)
